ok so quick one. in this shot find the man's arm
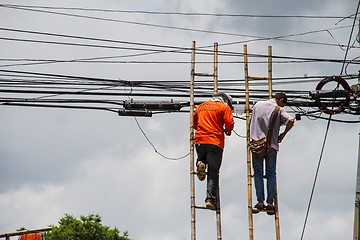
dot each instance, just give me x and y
(289, 125)
(228, 121)
(195, 119)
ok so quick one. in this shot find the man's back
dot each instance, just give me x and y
(260, 120)
(210, 118)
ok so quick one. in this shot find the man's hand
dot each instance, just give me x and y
(227, 133)
(289, 125)
(281, 137)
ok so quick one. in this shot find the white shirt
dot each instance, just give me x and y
(260, 120)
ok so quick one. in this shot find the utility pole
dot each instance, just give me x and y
(357, 199)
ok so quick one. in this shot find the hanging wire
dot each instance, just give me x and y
(147, 138)
(156, 151)
(316, 176)
(326, 134)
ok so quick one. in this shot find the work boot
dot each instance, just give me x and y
(211, 205)
(201, 174)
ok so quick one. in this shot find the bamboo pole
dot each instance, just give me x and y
(277, 221)
(270, 70)
(216, 46)
(192, 177)
(247, 106)
(19, 233)
(218, 214)
(356, 217)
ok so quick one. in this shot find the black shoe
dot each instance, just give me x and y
(259, 206)
(271, 209)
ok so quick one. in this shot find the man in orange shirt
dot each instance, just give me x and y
(212, 120)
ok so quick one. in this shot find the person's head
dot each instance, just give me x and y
(226, 98)
(280, 98)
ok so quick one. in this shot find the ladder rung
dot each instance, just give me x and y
(255, 211)
(258, 78)
(204, 74)
(200, 173)
(204, 207)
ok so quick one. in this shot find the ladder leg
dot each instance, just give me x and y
(218, 215)
(192, 180)
(248, 159)
(277, 222)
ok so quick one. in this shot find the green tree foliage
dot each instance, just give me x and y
(85, 228)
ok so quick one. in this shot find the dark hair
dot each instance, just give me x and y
(281, 95)
(226, 98)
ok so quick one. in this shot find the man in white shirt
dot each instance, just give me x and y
(261, 117)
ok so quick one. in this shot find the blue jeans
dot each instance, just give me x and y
(211, 155)
(270, 169)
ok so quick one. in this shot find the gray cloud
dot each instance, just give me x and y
(81, 162)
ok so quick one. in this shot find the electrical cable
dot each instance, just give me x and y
(351, 33)
(148, 24)
(126, 83)
(123, 21)
(292, 35)
(153, 146)
(92, 38)
(156, 151)
(183, 50)
(39, 87)
(164, 85)
(332, 119)
(325, 137)
(161, 85)
(46, 61)
(180, 13)
(177, 49)
(238, 134)
(57, 106)
(316, 176)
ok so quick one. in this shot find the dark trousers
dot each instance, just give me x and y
(211, 155)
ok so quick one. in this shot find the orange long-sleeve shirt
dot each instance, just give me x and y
(32, 236)
(210, 119)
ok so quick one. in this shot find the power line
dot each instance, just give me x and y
(351, 33)
(179, 85)
(91, 38)
(325, 137)
(158, 25)
(143, 49)
(182, 13)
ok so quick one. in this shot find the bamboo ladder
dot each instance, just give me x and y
(192, 162)
(251, 210)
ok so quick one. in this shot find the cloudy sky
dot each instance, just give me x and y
(57, 161)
